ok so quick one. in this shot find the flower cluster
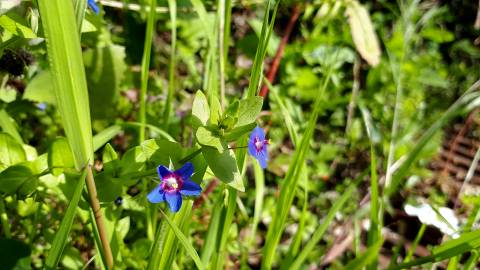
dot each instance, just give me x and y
(175, 184)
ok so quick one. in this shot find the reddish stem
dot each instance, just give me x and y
(272, 72)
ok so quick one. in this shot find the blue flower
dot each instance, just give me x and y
(173, 186)
(93, 6)
(257, 146)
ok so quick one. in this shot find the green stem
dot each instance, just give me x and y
(97, 212)
(415, 242)
(4, 218)
(172, 4)
(145, 68)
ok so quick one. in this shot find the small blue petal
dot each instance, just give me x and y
(190, 188)
(257, 133)
(252, 150)
(262, 159)
(93, 6)
(157, 195)
(174, 201)
(163, 171)
(185, 171)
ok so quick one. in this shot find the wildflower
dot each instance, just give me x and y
(173, 186)
(257, 146)
(93, 6)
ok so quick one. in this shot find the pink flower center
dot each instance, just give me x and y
(172, 183)
(259, 144)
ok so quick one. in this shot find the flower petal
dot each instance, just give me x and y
(174, 201)
(251, 148)
(257, 133)
(163, 171)
(93, 6)
(157, 195)
(185, 171)
(262, 159)
(190, 188)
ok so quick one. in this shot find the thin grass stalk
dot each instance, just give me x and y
(471, 261)
(145, 68)
(172, 5)
(291, 181)
(375, 228)
(414, 245)
(156, 250)
(221, 50)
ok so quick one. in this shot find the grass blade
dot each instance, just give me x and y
(413, 154)
(142, 118)
(318, 234)
(465, 243)
(101, 138)
(172, 6)
(290, 183)
(366, 258)
(184, 241)
(61, 236)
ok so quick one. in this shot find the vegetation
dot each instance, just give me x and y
(152, 134)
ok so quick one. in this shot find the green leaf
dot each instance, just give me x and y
(104, 136)
(224, 166)
(60, 156)
(109, 154)
(108, 187)
(14, 254)
(215, 111)
(205, 137)
(16, 25)
(105, 67)
(8, 94)
(237, 132)
(184, 241)
(248, 110)
(11, 152)
(8, 126)
(13, 177)
(70, 85)
(61, 235)
(40, 88)
(200, 109)
(133, 160)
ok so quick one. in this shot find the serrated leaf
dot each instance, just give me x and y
(224, 166)
(363, 33)
(248, 110)
(200, 109)
(13, 177)
(11, 152)
(60, 156)
(40, 88)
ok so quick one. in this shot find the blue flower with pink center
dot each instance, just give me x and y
(173, 185)
(257, 146)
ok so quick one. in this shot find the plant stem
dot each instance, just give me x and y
(415, 242)
(4, 218)
(145, 68)
(97, 212)
(172, 4)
